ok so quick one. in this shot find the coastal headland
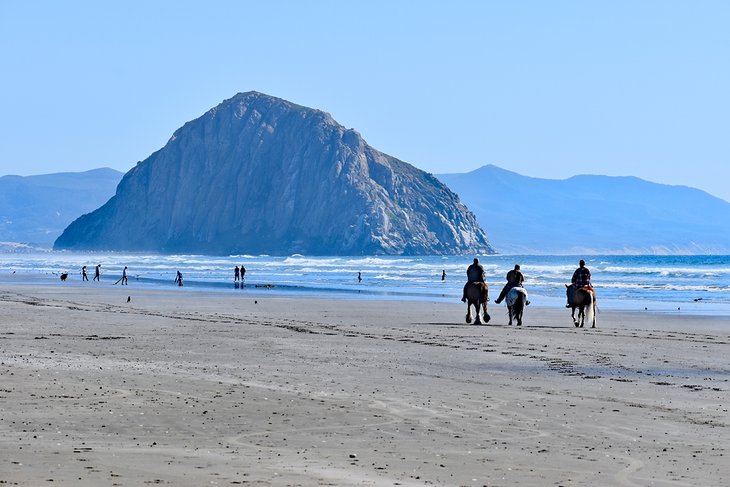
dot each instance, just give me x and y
(122, 386)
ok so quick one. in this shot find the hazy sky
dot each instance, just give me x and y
(543, 88)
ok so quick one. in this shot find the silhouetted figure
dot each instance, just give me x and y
(97, 273)
(243, 274)
(359, 277)
(236, 273)
(474, 273)
(515, 278)
(443, 275)
(179, 279)
(124, 276)
(84, 276)
(581, 278)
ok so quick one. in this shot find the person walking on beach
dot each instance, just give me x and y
(443, 275)
(515, 278)
(359, 277)
(97, 273)
(124, 276)
(243, 273)
(474, 273)
(179, 279)
(84, 276)
(235, 274)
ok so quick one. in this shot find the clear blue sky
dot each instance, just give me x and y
(544, 88)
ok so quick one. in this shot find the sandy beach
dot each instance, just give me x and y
(199, 388)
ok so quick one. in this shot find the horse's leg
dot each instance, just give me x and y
(468, 312)
(478, 308)
(520, 310)
(582, 315)
(509, 313)
(485, 303)
(572, 315)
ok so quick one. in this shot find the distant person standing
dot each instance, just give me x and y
(359, 277)
(243, 274)
(236, 273)
(84, 275)
(97, 273)
(443, 275)
(124, 276)
(179, 279)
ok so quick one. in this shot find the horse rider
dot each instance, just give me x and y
(581, 278)
(515, 278)
(474, 273)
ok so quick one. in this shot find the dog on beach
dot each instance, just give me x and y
(64, 276)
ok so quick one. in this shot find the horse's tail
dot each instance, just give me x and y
(591, 307)
(521, 300)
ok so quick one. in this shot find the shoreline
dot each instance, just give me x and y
(229, 390)
(260, 289)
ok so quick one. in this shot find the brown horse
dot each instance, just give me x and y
(477, 295)
(585, 300)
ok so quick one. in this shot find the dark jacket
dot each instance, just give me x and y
(475, 272)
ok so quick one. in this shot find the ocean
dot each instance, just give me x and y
(671, 284)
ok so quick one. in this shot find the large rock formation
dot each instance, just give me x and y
(258, 174)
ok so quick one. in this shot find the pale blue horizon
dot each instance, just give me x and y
(545, 89)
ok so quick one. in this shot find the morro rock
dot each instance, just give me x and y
(257, 174)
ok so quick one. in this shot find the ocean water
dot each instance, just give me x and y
(687, 284)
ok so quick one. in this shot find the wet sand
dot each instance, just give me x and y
(193, 388)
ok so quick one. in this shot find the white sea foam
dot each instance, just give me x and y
(618, 279)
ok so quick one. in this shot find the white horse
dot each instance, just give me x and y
(516, 301)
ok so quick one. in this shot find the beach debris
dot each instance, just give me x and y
(129, 298)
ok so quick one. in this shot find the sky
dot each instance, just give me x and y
(545, 89)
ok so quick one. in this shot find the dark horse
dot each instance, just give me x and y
(477, 295)
(516, 301)
(585, 300)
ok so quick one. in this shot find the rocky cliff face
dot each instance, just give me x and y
(258, 174)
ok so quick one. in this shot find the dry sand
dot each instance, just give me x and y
(188, 388)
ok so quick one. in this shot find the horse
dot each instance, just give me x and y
(585, 300)
(516, 301)
(477, 295)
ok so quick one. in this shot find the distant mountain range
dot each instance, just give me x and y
(261, 175)
(35, 209)
(592, 214)
(258, 174)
